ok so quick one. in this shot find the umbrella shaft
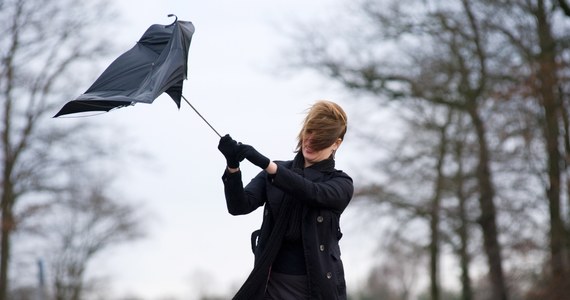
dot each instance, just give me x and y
(200, 115)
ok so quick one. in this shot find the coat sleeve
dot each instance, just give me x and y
(240, 200)
(334, 193)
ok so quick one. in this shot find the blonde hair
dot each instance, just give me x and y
(327, 122)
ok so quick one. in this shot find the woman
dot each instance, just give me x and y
(297, 253)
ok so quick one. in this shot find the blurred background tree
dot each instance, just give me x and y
(88, 222)
(479, 167)
(51, 174)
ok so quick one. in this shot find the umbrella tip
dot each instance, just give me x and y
(175, 20)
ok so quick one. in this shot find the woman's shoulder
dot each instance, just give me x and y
(286, 163)
(340, 174)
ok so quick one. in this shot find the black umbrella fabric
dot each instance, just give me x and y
(156, 64)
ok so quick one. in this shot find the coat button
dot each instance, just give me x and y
(322, 248)
(320, 219)
(329, 275)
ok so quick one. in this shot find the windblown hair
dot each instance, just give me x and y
(327, 122)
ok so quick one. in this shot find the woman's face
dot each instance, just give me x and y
(313, 156)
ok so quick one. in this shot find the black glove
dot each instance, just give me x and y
(254, 157)
(231, 151)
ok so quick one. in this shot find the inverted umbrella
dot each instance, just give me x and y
(156, 64)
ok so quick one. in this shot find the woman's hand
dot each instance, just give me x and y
(254, 156)
(232, 151)
(258, 159)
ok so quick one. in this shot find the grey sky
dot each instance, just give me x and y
(193, 240)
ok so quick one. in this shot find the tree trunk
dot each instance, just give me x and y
(462, 231)
(435, 219)
(434, 252)
(7, 204)
(566, 123)
(487, 220)
(547, 93)
(7, 200)
(7, 226)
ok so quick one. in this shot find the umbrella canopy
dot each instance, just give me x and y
(156, 64)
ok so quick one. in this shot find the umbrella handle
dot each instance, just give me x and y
(201, 116)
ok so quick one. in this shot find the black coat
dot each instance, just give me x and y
(324, 192)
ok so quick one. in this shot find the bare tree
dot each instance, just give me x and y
(42, 42)
(449, 66)
(501, 67)
(460, 181)
(547, 87)
(538, 38)
(395, 277)
(436, 207)
(86, 222)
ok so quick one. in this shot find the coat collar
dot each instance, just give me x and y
(324, 166)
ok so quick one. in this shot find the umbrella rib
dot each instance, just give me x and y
(200, 115)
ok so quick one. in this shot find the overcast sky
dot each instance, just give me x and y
(193, 243)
